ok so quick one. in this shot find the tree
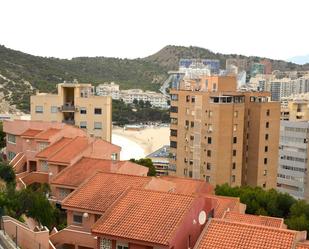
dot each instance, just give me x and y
(7, 173)
(2, 136)
(147, 162)
(141, 103)
(147, 104)
(135, 102)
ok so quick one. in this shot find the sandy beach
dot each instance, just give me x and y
(148, 139)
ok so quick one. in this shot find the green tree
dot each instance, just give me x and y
(7, 173)
(135, 102)
(2, 136)
(147, 162)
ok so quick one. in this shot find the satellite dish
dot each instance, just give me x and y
(202, 217)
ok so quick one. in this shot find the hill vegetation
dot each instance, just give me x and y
(21, 74)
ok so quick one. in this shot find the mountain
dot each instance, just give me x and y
(301, 60)
(21, 74)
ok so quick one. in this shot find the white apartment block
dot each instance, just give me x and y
(106, 89)
(293, 159)
(155, 99)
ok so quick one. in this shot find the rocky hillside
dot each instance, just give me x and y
(21, 73)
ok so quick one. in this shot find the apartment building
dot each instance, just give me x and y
(221, 135)
(75, 104)
(293, 159)
(106, 89)
(160, 160)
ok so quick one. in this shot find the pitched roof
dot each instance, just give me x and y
(145, 215)
(221, 234)
(102, 190)
(30, 133)
(303, 245)
(224, 203)
(45, 135)
(54, 148)
(70, 150)
(189, 186)
(254, 219)
(86, 167)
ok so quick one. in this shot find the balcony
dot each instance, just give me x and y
(68, 121)
(68, 107)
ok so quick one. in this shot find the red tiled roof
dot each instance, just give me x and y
(221, 234)
(254, 219)
(303, 245)
(54, 148)
(30, 133)
(45, 135)
(70, 150)
(189, 186)
(86, 167)
(223, 203)
(145, 215)
(102, 190)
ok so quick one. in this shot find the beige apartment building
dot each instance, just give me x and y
(75, 104)
(221, 135)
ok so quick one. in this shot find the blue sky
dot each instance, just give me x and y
(138, 28)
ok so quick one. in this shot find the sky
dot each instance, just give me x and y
(275, 29)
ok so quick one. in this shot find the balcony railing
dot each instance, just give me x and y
(68, 121)
(68, 107)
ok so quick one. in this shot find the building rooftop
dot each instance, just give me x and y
(54, 148)
(162, 152)
(222, 234)
(145, 215)
(303, 245)
(102, 190)
(77, 173)
(45, 135)
(254, 219)
(30, 133)
(223, 203)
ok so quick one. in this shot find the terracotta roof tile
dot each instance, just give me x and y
(133, 216)
(223, 203)
(70, 150)
(221, 234)
(254, 219)
(303, 245)
(189, 186)
(45, 135)
(86, 167)
(30, 133)
(54, 148)
(102, 190)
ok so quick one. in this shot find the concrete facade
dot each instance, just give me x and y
(75, 104)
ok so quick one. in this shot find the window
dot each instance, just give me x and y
(247, 135)
(173, 144)
(11, 155)
(265, 173)
(174, 121)
(83, 124)
(44, 166)
(233, 178)
(214, 87)
(78, 218)
(192, 124)
(185, 172)
(266, 149)
(64, 192)
(209, 153)
(209, 140)
(267, 125)
(210, 114)
(208, 166)
(207, 178)
(174, 109)
(97, 111)
(190, 173)
(187, 98)
(42, 146)
(38, 109)
(266, 136)
(122, 246)
(191, 138)
(235, 127)
(234, 152)
(105, 244)
(234, 166)
(235, 114)
(265, 160)
(173, 133)
(83, 110)
(267, 112)
(234, 140)
(210, 128)
(11, 138)
(97, 125)
(193, 99)
(264, 185)
(174, 97)
(114, 156)
(53, 109)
